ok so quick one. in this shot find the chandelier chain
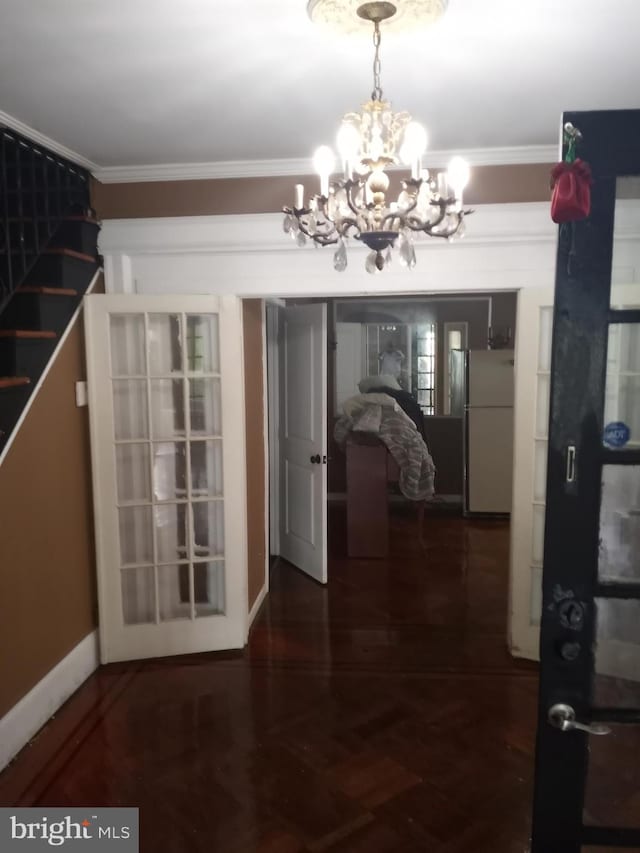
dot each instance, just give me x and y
(376, 95)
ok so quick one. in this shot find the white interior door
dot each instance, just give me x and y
(167, 432)
(531, 418)
(303, 439)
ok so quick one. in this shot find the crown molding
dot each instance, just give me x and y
(519, 155)
(289, 168)
(12, 123)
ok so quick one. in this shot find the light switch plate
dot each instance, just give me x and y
(82, 398)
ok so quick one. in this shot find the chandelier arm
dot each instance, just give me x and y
(349, 187)
(425, 226)
(415, 224)
(390, 219)
(346, 225)
(323, 238)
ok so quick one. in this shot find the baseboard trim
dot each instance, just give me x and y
(25, 719)
(257, 604)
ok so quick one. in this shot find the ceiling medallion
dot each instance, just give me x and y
(369, 142)
(342, 15)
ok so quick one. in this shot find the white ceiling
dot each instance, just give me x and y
(133, 82)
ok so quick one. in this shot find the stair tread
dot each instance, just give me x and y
(70, 253)
(27, 334)
(13, 381)
(45, 290)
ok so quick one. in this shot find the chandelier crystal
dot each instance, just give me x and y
(356, 206)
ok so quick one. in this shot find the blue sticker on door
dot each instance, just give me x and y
(616, 434)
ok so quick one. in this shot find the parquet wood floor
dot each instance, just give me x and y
(381, 714)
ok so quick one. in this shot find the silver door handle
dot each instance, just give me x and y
(563, 717)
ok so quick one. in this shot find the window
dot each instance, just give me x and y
(455, 338)
(425, 343)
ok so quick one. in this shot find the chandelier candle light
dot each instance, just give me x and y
(369, 142)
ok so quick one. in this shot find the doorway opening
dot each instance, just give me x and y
(451, 358)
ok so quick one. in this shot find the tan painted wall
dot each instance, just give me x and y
(488, 185)
(254, 404)
(47, 562)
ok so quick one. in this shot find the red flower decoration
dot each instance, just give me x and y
(571, 197)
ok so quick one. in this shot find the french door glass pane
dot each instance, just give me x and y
(138, 595)
(205, 406)
(542, 406)
(171, 532)
(206, 468)
(537, 546)
(612, 796)
(165, 344)
(622, 392)
(127, 345)
(167, 408)
(130, 409)
(617, 654)
(136, 540)
(208, 579)
(159, 470)
(169, 470)
(203, 354)
(540, 471)
(174, 595)
(132, 473)
(208, 529)
(625, 289)
(619, 541)
(544, 339)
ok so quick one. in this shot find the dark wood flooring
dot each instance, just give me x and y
(381, 714)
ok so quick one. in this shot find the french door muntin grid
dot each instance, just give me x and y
(608, 591)
(184, 376)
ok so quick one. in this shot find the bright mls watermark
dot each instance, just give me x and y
(88, 829)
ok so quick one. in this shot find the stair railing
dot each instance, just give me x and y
(38, 189)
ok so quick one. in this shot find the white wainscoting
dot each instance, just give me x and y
(507, 247)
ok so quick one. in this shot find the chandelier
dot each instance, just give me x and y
(356, 206)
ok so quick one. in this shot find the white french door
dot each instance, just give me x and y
(531, 426)
(167, 433)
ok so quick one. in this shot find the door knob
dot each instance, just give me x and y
(563, 717)
(315, 460)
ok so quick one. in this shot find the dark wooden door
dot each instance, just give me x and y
(587, 794)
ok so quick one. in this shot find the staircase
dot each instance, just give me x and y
(48, 259)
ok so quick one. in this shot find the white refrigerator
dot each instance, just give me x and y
(488, 431)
